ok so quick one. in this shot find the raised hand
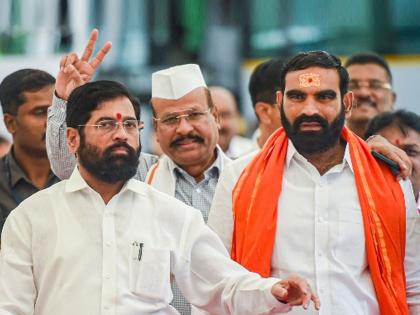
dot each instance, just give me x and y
(75, 71)
(295, 291)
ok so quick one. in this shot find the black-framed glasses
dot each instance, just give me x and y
(109, 125)
(374, 85)
(173, 120)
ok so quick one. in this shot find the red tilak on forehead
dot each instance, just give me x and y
(119, 117)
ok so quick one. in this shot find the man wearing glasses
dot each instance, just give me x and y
(186, 124)
(371, 83)
(104, 243)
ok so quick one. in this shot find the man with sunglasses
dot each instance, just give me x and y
(371, 83)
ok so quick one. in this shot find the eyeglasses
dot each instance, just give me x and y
(374, 85)
(173, 120)
(130, 126)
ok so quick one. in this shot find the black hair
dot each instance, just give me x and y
(320, 59)
(369, 57)
(13, 87)
(265, 81)
(86, 98)
(403, 119)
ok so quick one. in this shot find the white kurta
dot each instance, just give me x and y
(66, 252)
(320, 234)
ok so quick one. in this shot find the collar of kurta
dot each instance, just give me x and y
(76, 183)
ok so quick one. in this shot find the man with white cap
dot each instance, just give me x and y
(186, 126)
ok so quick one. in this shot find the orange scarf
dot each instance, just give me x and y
(255, 199)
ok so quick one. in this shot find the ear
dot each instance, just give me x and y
(262, 110)
(394, 98)
(279, 98)
(73, 140)
(348, 101)
(216, 116)
(10, 122)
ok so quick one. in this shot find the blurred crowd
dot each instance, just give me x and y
(303, 196)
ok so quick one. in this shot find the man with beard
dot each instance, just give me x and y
(74, 72)
(371, 83)
(102, 243)
(315, 202)
(232, 144)
(25, 96)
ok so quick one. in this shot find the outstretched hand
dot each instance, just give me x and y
(295, 291)
(75, 71)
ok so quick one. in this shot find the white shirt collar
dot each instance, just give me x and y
(293, 153)
(77, 182)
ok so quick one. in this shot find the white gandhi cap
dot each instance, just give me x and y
(175, 82)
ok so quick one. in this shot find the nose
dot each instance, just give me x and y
(120, 133)
(184, 126)
(362, 91)
(310, 108)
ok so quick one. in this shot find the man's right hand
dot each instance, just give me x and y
(75, 71)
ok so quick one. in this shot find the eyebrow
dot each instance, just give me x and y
(295, 92)
(124, 118)
(331, 93)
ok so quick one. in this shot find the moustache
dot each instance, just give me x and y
(315, 118)
(180, 139)
(365, 100)
(108, 151)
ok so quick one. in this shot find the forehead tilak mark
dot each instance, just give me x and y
(309, 79)
(119, 116)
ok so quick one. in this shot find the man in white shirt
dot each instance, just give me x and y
(320, 224)
(102, 243)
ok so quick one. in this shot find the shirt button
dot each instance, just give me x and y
(107, 307)
(321, 219)
(198, 190)
(319, 253)
(108, 244)
(107, 276)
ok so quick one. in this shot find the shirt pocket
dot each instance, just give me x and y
(350, 245)
(149, 272)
